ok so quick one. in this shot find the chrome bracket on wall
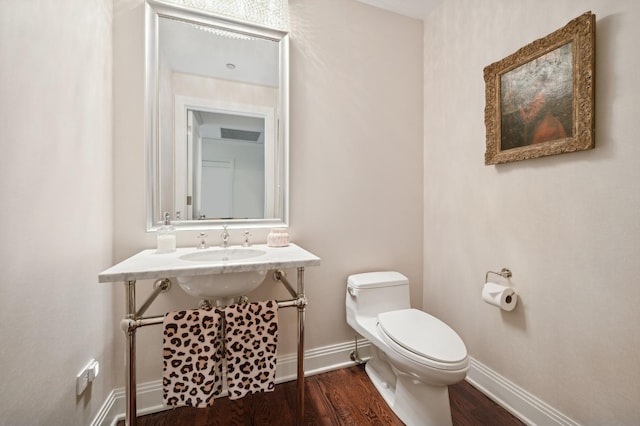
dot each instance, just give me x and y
(504, 273)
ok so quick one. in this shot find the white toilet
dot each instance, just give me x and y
(414, 357)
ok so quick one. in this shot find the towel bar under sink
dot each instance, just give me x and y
(133, 320)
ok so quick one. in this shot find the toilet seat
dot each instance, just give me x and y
(423, 339)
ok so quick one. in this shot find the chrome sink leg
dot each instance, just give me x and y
(130, 356)
(300, 378)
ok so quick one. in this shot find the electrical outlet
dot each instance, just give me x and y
(82, 381)
(94, 369)
(86, 376)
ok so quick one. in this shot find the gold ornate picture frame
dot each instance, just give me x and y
(540, 99)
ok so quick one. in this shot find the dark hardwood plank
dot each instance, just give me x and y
(470, 407)
(340, 397)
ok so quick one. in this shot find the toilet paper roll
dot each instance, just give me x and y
(498, 295)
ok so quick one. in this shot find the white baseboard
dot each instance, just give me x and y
(528, 408)
(148, 398)
(514, 399)
(149, 394)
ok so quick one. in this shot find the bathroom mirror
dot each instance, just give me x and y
(217, 120)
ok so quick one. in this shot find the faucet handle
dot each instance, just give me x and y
(246, 243)
(203, 242)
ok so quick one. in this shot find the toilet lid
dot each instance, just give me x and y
(424, 335)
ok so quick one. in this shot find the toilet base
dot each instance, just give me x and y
(414, 402)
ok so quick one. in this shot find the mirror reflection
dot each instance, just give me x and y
(219, 143)
(226, 166)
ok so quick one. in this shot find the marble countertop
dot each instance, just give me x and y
(148, 264)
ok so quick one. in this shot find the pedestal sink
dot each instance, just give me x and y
(222, 287)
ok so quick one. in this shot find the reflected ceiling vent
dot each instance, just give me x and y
(240, 135)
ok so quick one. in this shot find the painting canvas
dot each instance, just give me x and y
(540, 99)
(536, 100)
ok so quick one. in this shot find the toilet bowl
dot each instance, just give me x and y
(414, 356)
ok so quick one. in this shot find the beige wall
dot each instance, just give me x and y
(56, 222)
(356, 171)
(567, 226)
(356, 162)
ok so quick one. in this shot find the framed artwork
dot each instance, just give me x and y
(540, 100)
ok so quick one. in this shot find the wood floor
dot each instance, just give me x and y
(340, 397)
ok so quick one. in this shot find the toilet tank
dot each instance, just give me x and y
(371, 293)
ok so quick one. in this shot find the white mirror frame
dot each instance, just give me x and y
(154, 9)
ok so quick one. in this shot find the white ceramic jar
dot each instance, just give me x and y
(278, 238)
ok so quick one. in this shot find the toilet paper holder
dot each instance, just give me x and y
(504, 273)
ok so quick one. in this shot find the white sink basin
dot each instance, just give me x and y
(222, 255)
(222, 287)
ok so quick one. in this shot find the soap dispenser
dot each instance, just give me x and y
(166, 236)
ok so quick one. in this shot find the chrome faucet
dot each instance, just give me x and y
(225, 236)
(246, 243)
(203, 243)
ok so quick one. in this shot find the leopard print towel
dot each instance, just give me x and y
(192, 365)
(251, 335)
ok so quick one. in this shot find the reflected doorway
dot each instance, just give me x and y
(226, 165)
